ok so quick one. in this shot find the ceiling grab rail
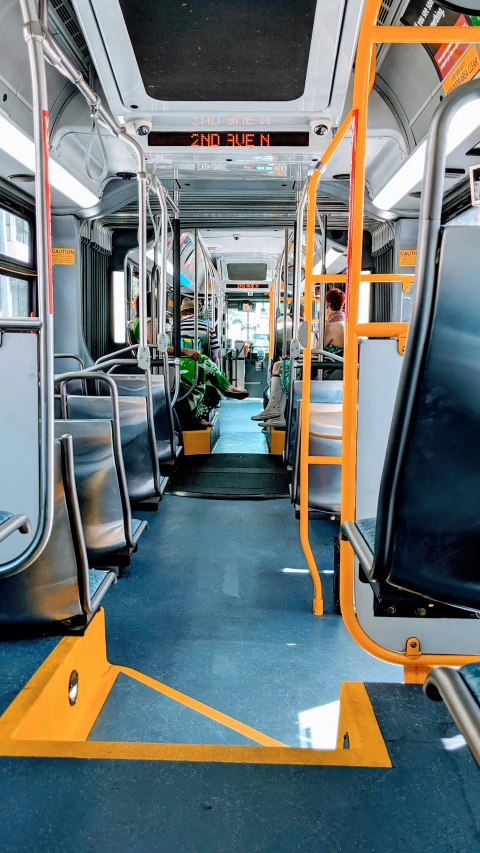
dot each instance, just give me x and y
(61, 62)
(34, 37)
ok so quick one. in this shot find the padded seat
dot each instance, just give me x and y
(324, 482)
(329, 393)
(367, 526)
(58, 586)
(471, 676)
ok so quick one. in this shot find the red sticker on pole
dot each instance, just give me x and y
(48, 208)
(350, 209)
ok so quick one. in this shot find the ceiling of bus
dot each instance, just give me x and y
(212, 50)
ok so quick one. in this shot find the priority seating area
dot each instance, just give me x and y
(114, 435)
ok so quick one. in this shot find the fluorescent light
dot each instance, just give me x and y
(118, 293)
(411, 171)
(409, 175)
(332, 256)
(19, 146)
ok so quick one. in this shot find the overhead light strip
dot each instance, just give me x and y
(412, 170)
(19, 146)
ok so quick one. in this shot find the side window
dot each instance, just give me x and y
(17, 276)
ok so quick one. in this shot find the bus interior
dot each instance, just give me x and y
(239, 393)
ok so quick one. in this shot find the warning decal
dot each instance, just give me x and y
(407, 257)
(66, 257)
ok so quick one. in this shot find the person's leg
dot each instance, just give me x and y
(273, 411)
(218, 380)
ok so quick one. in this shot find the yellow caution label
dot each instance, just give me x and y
(465, 70)
(63, 256)
(407, 257)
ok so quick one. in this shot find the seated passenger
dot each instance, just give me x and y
(273, 415)
(334, 328)
(202, 395)
(211, 384)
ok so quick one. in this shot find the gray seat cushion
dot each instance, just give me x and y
(367, 526)
(471, 676)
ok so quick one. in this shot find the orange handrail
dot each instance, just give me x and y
(307, 365)
(416, 664)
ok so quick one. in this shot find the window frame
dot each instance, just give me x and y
(20, 269)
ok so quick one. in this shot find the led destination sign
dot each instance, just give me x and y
(228, 139)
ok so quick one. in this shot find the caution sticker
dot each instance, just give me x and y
(464, 70)
(65, 257)
(407, 257)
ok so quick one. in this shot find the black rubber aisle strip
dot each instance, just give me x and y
(228, 476)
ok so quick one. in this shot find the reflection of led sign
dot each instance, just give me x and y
(227, 139)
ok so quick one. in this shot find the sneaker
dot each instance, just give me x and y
(266, 415)
(276, 423)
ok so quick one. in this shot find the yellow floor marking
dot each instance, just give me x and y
(41, 722)
(42, 710)
(200, 708)
(192, 752)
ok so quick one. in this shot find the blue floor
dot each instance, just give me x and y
(218, 606)
(238, 433)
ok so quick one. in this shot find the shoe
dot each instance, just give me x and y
(239, 394)
(276, 423)
(266, 414)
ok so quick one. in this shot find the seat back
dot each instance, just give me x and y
(428, 524)
(163, 427)
(324, 481)
(135, 437)
(330, 393)
(49, 589)
(97, 484)
(19, 429)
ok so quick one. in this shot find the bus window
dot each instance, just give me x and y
(15, 237)
(14, 297)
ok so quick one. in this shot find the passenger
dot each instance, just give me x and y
(274, 414)
(334, 328)
(202, 395)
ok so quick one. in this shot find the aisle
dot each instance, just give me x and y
(238, 433)
(218, 605)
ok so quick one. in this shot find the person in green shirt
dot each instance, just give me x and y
(201, 392)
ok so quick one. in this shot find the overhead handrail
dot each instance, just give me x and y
(11, 525)
(59, 60)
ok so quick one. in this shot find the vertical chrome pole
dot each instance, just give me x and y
(34, 38)
(285, 296)
(323, 289)
(195, 299)
(143, 352)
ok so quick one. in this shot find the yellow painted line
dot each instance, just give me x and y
(200, 708)
(191, 752)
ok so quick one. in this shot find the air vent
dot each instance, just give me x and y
(385, 11)
(64, 20)
(454, 173)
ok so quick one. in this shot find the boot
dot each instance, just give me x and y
(274, 408)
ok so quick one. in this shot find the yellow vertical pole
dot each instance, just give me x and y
(362, 84)
(305, 411)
